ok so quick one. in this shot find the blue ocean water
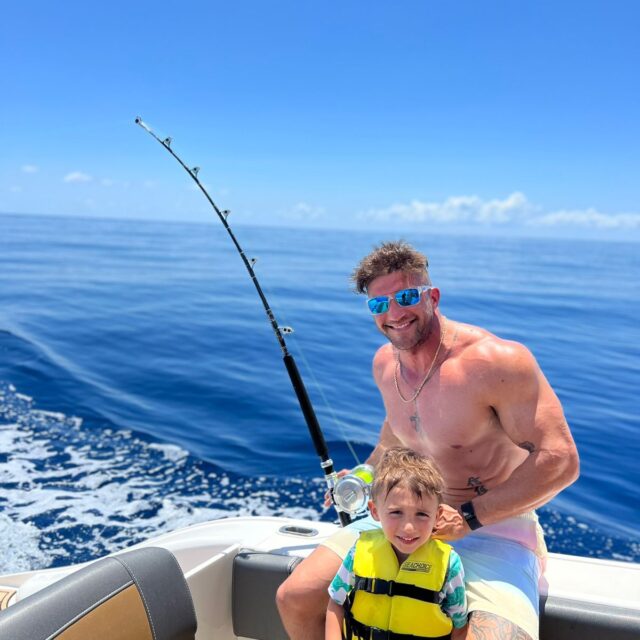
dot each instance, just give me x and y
(142, 388)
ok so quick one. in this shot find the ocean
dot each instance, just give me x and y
(142, 388)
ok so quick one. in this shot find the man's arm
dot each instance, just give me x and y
(531, 415)
(385, 441)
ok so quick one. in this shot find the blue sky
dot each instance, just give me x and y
(499, 116)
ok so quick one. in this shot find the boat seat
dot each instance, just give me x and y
(136, 595)
(565, 619)
(6, 594)
(257, 576)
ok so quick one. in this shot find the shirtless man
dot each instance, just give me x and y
(482, 409)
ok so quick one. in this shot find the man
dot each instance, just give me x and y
(482, 409)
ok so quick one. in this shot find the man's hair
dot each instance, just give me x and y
(388, 258)
(403, 467)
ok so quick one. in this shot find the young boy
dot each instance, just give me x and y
(397, 579)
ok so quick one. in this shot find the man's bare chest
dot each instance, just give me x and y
(444, 415)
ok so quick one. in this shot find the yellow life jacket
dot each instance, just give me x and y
(393, 602)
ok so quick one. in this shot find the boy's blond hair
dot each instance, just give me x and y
(403, 467)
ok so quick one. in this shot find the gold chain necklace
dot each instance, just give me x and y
(426, 378)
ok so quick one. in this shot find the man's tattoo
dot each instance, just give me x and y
(488, 626)
(415, 421)
(529, 446)
(477, 485)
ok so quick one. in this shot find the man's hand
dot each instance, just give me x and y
(327, 496)
(450, 525)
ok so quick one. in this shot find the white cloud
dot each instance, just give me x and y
(304, 211)
(29, 168)
(589, 218)
(514, 209)
(107, 182)
(458, 209)
(77, 176)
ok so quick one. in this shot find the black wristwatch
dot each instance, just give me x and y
(469, 514)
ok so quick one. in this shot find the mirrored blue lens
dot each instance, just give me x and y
(378, 305)
(407, 297)
(404, 297)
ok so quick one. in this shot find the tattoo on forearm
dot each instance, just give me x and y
(529, 446)
(487, 626)
(477, 485)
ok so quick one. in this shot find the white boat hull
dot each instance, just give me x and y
(206, 554)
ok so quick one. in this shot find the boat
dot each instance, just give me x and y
(218, 580)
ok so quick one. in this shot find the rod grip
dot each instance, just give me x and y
(312, 423)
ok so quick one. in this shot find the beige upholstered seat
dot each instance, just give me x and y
(137, 595)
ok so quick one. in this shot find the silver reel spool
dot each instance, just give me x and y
(352, 492)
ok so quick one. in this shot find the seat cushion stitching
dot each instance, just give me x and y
(93, 606)
(144, 600)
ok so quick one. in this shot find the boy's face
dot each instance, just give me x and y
(407, 520)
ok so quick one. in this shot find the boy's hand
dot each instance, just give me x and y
(327, 496)
(450, 525)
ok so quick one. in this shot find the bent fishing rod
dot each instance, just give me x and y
(292, 369)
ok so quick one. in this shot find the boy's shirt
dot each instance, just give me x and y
(453, 597)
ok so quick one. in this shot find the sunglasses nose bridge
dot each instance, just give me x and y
(404, 298)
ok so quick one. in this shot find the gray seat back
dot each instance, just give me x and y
(257, 576)
(563, 619)
(136, 595)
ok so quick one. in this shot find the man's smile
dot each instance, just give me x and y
(399, 326)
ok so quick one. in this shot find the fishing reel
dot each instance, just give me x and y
(351, 493)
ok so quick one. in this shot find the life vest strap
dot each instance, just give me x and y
(381, 587)
(365, 632)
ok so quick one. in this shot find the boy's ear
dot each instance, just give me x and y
(438, 519)
(373, 510)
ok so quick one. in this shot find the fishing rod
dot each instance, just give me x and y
(308, 412)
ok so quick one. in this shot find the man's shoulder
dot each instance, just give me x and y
(483, 349)
(383, 357)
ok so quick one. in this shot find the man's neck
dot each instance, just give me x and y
(418, 359)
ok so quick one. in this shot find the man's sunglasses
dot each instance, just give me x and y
(404, 297)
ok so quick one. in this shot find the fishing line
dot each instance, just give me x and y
(342, 427)
(339, 423)
(292, 369)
